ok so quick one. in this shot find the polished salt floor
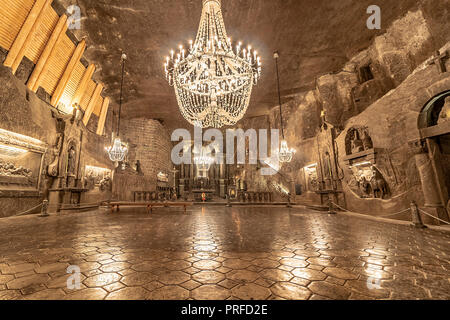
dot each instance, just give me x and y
(220, 253)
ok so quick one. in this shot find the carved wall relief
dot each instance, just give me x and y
(312, 179)
(357, 140)
(53, 167)
(97, 177)
(21, 160)
(365, 179)
(368, 182)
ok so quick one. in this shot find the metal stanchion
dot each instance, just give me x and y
(330, 207)
(44, 210)
(289, 205)
(415, 216)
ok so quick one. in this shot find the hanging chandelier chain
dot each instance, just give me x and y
(118, 150)
(285, 154)
(279, 95)
(123, 58)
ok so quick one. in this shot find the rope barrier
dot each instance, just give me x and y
(64, 206)
(397, 213)
(28, 211)
(388, 215)
(339, 207)
(430, 215)
(394, 214)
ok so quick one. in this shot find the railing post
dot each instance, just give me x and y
(289, 205)
(330, 207)
(228, 201)
(415, 216)
(44, 210)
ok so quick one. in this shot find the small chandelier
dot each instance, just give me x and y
(285, 154)
(119, 150)
(213, 78)
(204, 160)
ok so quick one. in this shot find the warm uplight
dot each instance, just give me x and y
(360, 164)
(11, 151)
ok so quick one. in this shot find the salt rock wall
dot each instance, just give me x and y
(392, 124)
(28, 114)
(382, 88)
(149, 142)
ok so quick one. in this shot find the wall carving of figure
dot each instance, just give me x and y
(105, 184)
(52, 169)
(11, 173)
(357, 140)
(312, 178)
(370, 183)
(71, 161)
(378, 185)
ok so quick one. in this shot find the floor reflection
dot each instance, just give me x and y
(221, 253)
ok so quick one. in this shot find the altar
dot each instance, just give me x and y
(199, 193)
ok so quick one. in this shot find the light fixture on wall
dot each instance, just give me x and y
(11, 151)
(285, 154)
(119, 150)
(213, 78)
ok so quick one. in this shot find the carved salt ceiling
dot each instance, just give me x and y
(314, 37)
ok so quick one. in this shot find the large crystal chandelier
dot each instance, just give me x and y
(213, 78)
(118, 151)
(285, 154)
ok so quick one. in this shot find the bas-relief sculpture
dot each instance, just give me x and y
(369, 182)
(97, 177)
(21, 161)
(312, 179)
(357, 140)
(10, 175)
(365, 178)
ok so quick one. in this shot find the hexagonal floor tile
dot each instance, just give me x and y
(290, 291)
(169, 293)
(210, 292)
(138, 278)
(101, 280)
(208, 277)
(173, 277)
(251, 291)
(132, 293)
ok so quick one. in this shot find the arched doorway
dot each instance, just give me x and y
(434, 126)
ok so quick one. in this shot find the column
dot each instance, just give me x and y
(182, 180)
(222, 185)
(430, 186)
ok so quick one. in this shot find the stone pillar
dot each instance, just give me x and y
(430, 186)
(182, 182)
(222, 186)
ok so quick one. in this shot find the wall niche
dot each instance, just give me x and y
(364, 178)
